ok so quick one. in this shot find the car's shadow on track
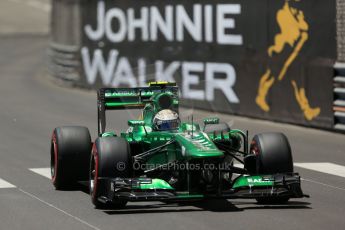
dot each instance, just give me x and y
(289, 205)
(196, 206)
(164, 207)
(193, 206)
(201, 206)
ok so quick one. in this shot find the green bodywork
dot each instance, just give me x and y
(156, 184)
(109, 134)
(241, 182)
(253, 181)
(190, 143)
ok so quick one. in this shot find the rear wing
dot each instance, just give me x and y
(128, 98)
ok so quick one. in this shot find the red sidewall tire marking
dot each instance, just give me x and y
(254, 148)
(55, 157)
(95, 178)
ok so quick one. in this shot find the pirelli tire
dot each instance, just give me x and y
(110, 158)
(273, 154)
(69, 156)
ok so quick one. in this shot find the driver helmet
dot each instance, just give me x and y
(166, 119)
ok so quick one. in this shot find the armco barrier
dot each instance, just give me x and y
(339, 70)
(65, 43)
(270, 59)
(339, 96)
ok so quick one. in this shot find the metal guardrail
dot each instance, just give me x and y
(63, 53)
(339, 96)
(64, 62)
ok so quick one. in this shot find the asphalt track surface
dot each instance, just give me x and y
(32, 105)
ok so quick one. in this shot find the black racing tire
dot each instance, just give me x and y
(273, 156)
(69, 156)
(218, 128)
(273, 153)
(110, 158)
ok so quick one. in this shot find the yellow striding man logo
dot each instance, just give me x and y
(293, 33)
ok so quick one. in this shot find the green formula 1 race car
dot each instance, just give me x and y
(161, 158)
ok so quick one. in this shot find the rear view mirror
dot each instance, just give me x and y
(136, 123)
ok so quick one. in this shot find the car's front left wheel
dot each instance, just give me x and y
(110, 158)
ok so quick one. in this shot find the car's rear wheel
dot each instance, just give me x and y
(69, 156)
(110, 158)
(273, 155)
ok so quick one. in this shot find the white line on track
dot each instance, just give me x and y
(5, 184)
(58, 209)
(42, 171)
(324, 167)
(323, 184)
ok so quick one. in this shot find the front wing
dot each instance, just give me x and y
(244, 187)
